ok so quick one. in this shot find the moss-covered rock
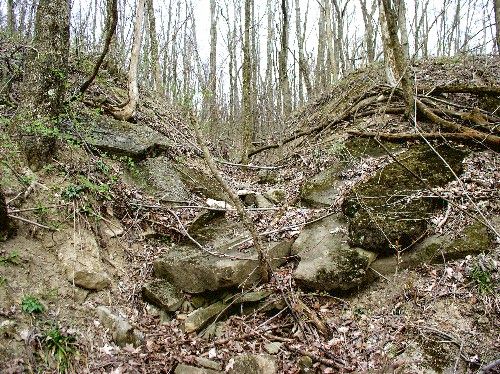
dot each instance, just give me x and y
(391, 209)
(253, 364)
(193, 270)
(163, 295)
(474, 239)
(323, 188)
(327, 263)
(126, 139)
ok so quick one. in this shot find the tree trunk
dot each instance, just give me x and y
(155, 57)
(497, 21)
(11, 28)
(5, 227)
(283, 61)
(128, 109)
(396, 62)
(212, 76)
(304, 73)
(247, 90)
(369, 30)
(44, 82)
(111, 28)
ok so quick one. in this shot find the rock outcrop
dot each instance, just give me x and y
(327, 262)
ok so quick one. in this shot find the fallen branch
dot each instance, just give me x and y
(32, 222)
(264, 265)
(461, 88)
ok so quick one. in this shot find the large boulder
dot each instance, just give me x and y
(323, 189)
(327, 262)
(222, 264)
(390, 211)
(175, 180)
(127, 139)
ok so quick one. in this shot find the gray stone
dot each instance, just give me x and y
(121, 331)
(111, 228)
(161, 175)
(80, 257)
(323, 188)
(275, 195)
(252, 364)
(388, 211)
(201, 317)
(186, 369)
(127, 139)
(163, 295)
(192, 270)
(273, 347)
(326, 261)
(268, 176)
(474, 239)
(209, 364)
(262, 202)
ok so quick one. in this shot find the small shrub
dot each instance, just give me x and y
(31, 305)
(482, 279)
(10, 258)
(61, 346)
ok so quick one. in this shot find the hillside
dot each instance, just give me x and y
(128, 256)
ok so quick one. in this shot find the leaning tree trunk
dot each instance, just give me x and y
(128, 109)
(44, 83)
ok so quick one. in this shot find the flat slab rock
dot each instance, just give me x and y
(126, 139)
(194, 271)
(327, 263)
(474, 239)
(162, 294)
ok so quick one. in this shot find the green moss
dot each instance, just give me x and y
(385, 213)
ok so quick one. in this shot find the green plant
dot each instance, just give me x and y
(10, 258)
(41, 210)
(3, 281)
(31, 305)
(72, 192)
(61, 346)
(481, 278)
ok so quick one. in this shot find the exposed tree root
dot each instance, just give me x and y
(461, 88)
(488, 140)
(406, 137)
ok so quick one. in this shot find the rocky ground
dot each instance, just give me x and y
(130, 258)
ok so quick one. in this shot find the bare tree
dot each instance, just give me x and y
(370, 37)
(111, 28)
(304, 74)
(44, 82)
(396, 62)
(497, 22)
(127, 110)
(284, 83)
(212, 76)
(153, 40)
(248, 121)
